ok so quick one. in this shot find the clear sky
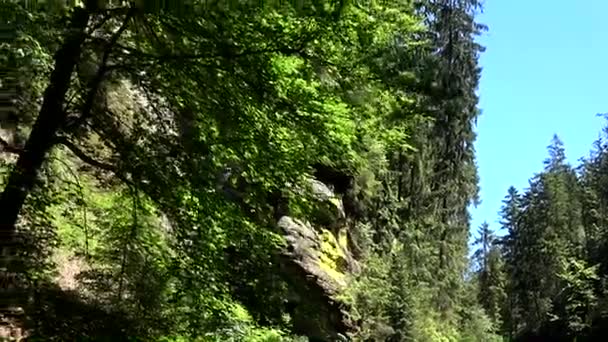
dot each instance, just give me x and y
(545, 71)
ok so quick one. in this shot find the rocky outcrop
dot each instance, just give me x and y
(317, 263)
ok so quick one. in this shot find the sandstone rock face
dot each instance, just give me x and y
(317, 264)
(324, 194)
(305, 249)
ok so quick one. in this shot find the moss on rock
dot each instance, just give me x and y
(332, 258)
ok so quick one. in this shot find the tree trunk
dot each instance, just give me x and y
(49, 121)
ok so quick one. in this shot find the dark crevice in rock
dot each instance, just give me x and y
(340, 180)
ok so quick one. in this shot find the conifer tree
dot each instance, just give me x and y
(490, 274)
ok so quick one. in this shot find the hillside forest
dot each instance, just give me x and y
(253, 171)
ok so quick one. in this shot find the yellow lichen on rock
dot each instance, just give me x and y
(332, 257)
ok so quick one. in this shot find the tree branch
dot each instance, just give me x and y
(103, 68)
(139, 66)
(84, 157)
(188, 56)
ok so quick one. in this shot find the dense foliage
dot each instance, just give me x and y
(152, 150)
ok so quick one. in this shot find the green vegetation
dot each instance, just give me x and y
(159, 161)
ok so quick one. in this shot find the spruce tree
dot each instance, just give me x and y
(490, 274)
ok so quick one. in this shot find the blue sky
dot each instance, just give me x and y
(545, 71)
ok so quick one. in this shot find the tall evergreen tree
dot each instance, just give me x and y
(510, 216)
(438, 182)
(485, 240)
(490, 274)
